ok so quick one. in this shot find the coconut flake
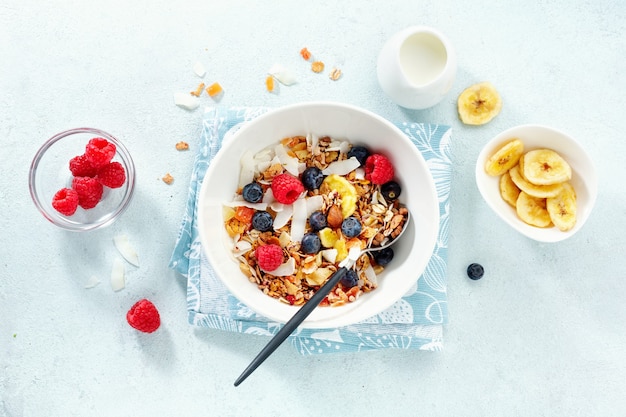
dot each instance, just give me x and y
(330, 255)
(285, 269)
(313, 143)
(353, 255)
(92, 282)
(359, 173)
(126, 249)
(288, 162)
(282, 74)
(186, 101)
(198, 68)
(371, 275)
(118, 281)
(242, 247)
(283, 216)
(343, 167)
(298, 220)
(246, 174)
(314, 203)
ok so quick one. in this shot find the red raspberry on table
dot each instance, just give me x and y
(269, 257)
(112, 175)
(144, 316)
(378, 169)
(99, 152)
(81, 167)
(286, 188)
(89, 191)
(65, 201)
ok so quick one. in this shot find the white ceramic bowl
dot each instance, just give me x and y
(412, 251)
(584, 179)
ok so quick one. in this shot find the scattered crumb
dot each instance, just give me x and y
(198, 68)
(182, 146)
(214, 90)
(306, 55)
(317, 66)
(198, 90)
(335, 74)
(92, 282)
(168, 179)
(269, 84)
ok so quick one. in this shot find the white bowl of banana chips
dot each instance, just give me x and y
(538, 180)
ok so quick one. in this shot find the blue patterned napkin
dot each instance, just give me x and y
(413, 322)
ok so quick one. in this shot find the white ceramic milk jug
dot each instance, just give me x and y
(416, 67)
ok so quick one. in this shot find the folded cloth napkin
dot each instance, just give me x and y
(413, 322)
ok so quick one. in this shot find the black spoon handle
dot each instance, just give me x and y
(292, 324)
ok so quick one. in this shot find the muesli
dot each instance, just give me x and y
(302, 205)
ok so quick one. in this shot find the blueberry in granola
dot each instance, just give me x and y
(384, 256)
(262, 221)
(317, 220)
(312, 178)
(311, 243)
(390, 190)
(253, 192)
(360, 153)
(350, 279)
(351, 227)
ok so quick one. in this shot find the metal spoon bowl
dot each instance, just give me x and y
(313, 302)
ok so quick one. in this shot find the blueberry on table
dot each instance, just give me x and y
(384, 256)
(351, 227)
(390, 190)
(350, 279)
(312, 178)
(475, 271)
(311, 243)
(262, 221)
(252, 193)
(360, 153)
(317, 220)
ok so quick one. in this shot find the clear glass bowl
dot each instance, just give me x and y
(49, 172)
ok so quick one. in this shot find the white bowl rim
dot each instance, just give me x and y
(353, 316)
(590, 180)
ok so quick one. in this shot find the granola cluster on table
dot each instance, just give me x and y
(302, 206)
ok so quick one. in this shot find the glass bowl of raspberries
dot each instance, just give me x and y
(82, 179)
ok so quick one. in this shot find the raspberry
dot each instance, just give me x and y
(65, 201)
(112, 175)
(286, 188)
(99, 152)
(269, 257)
(378, 169)
(144, 316)
(81, 167)
(89, 191)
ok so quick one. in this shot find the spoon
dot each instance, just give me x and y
(310, 305)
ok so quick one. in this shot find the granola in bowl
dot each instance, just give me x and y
(302, 205)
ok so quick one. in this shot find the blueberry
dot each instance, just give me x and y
(312, 178)
(351, 227)
(317, 220)
(350, 279)
(384, 256)
(262, 221)
(311, 243)
(252, 193)
(390, 190)
(360, 153)
(475, 271)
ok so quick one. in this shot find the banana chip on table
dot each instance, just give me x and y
(479, 104)
(536, 184)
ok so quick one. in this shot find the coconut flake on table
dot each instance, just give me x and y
(285, 269)
(92, 282)
(186, 101)
(343, 167)
(282, 74)
(118, 281)
(283, 216)
(126, 249)
(199, 70)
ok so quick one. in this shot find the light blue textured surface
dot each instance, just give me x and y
(413, 322)
(542, 334)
